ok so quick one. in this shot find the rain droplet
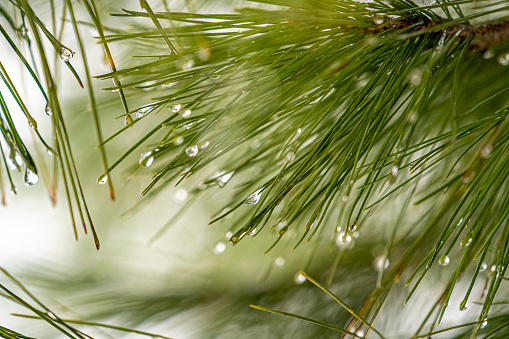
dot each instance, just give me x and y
(280, 261)
(466, 242)
(486, 151)
(463, 305)
(220, 247)
(493, 268)
(378, 20)
(128, 120)
(47, 110)
(394, 171)
(31, 178)
(352, 228)
(204, 145)
(290, 156)
(228, 235)
(181, 195)
(49, 152)
(254, 197)
(253, 232)
(484, 323)
(179, 140)
(444, 260)
(483, 267)
(102, 179)
(222, 178)
(255, 144)
(344, 198)
(175, 108)
(503, 59)
(188, 65)
(299, 278)
(381, 263)
(488, 54)
(192, 151)
(146, 159)
(415, 77)
(343, 239)
(66, 54)
(141, 112)
(186, 113)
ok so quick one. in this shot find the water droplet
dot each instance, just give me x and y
(222, 178)
(102, 179)
(204, 145)
(254, 197)
(290, 156)
(344, 198)
(353, 227)
(444, 260)
(280, 261)
(228, 235)
(343, 239)
(14, 161)
(255, 144)
(179, 140)
(220, 247)
(146, 159)
(50, 152)
(181, 195)
(394, 171)
(488, 54)
(252, 232)
(299, 131)
(215, 76)
(299, 278)
(378, 20)
(503, 59)
(47, 110)
(359, 333)
(66, 54)
(176, 108)
(463, 305)
(128, 120)
(186, 113)
(142, 111)
(486, 151)
(381, 263)
(483, 267)
(169, 84)
(192, 151)
(466, 242)
(493, 268)
(188, 65)
(415, 77)
(31, 178)
(484, 323)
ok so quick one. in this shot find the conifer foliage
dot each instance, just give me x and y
(318, 116)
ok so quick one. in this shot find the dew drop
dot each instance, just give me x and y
(176, 108)
(254, 197)
(343, 239)
(179, 140)
(299, 279)
(486, 151)
(503, 59)
(488, 54)
(146, 159)
(394, 171)
(141, 112)
(493, 268)
(66, 54)
(290, 156)
(344, 198)
(102, 179)
(483, 267)
(415, 77)
(181, 195)
(466, 242)
(228, 235)
(381, 263)
(47, 110)
(192, 151)
(219, 248)
(204, 145)
(50, 152)
(128, 120)
(280, 261)
(353, 227)
(186, 113)
(252, 232)
(31, 178)
(378, 20)
(188, 65)
(444, 260)
(484, 323)
(222, 178)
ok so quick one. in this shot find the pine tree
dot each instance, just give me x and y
(366, 141)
